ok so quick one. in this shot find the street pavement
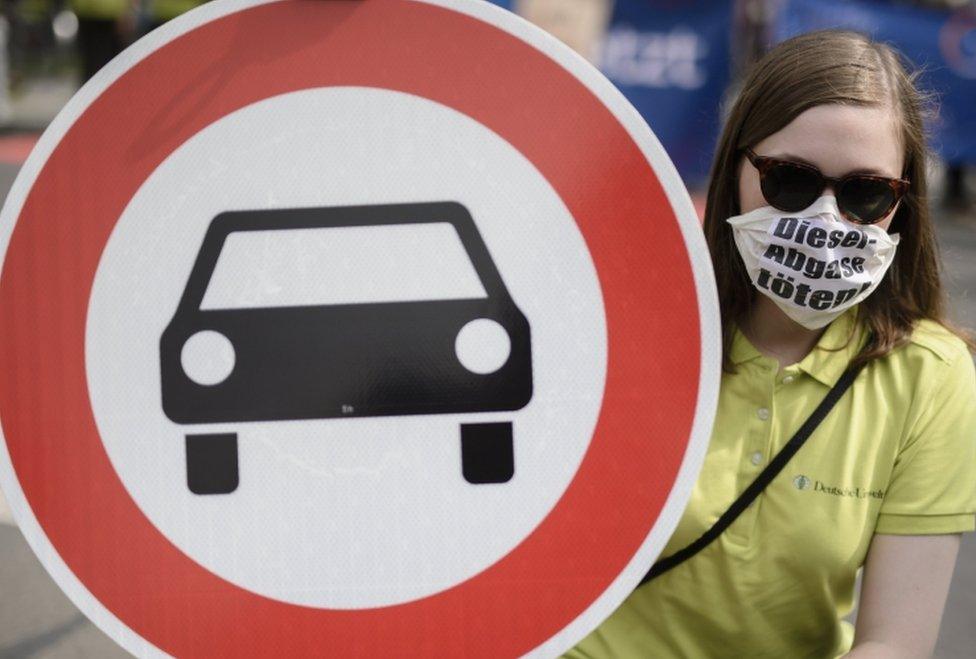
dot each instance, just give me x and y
(38, 621)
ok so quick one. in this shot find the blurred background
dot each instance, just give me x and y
(679, 63)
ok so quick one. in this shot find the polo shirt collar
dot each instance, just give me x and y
(831, 356)
(742, 350)
(828, 360)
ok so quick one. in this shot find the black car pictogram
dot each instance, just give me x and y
(345, 359)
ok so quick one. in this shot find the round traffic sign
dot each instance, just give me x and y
(352, 328)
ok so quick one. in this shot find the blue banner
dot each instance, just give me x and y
(671, 60)
(942, 43)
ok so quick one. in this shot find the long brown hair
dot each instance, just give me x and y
(817, 68)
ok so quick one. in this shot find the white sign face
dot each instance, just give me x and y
(396, 333)
(325, 506)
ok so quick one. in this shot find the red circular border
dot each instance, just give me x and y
(466, 64)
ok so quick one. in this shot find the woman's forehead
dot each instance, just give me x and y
(841, 139)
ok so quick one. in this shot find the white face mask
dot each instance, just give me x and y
(813, 264)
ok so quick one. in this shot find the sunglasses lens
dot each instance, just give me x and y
(790, 188)
(865, 200)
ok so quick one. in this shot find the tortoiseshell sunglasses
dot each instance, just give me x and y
(792, 186)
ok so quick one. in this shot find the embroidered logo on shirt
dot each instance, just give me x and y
(801, 482)
(854, 492)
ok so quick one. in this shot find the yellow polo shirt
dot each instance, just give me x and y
(896, 455)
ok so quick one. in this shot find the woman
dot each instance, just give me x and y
(825, 257)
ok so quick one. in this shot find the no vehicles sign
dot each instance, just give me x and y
(371, 328)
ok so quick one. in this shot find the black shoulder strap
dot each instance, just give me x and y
(774, 467)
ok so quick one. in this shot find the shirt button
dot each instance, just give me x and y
(788, 379)
(756, 458)
(762, 413)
